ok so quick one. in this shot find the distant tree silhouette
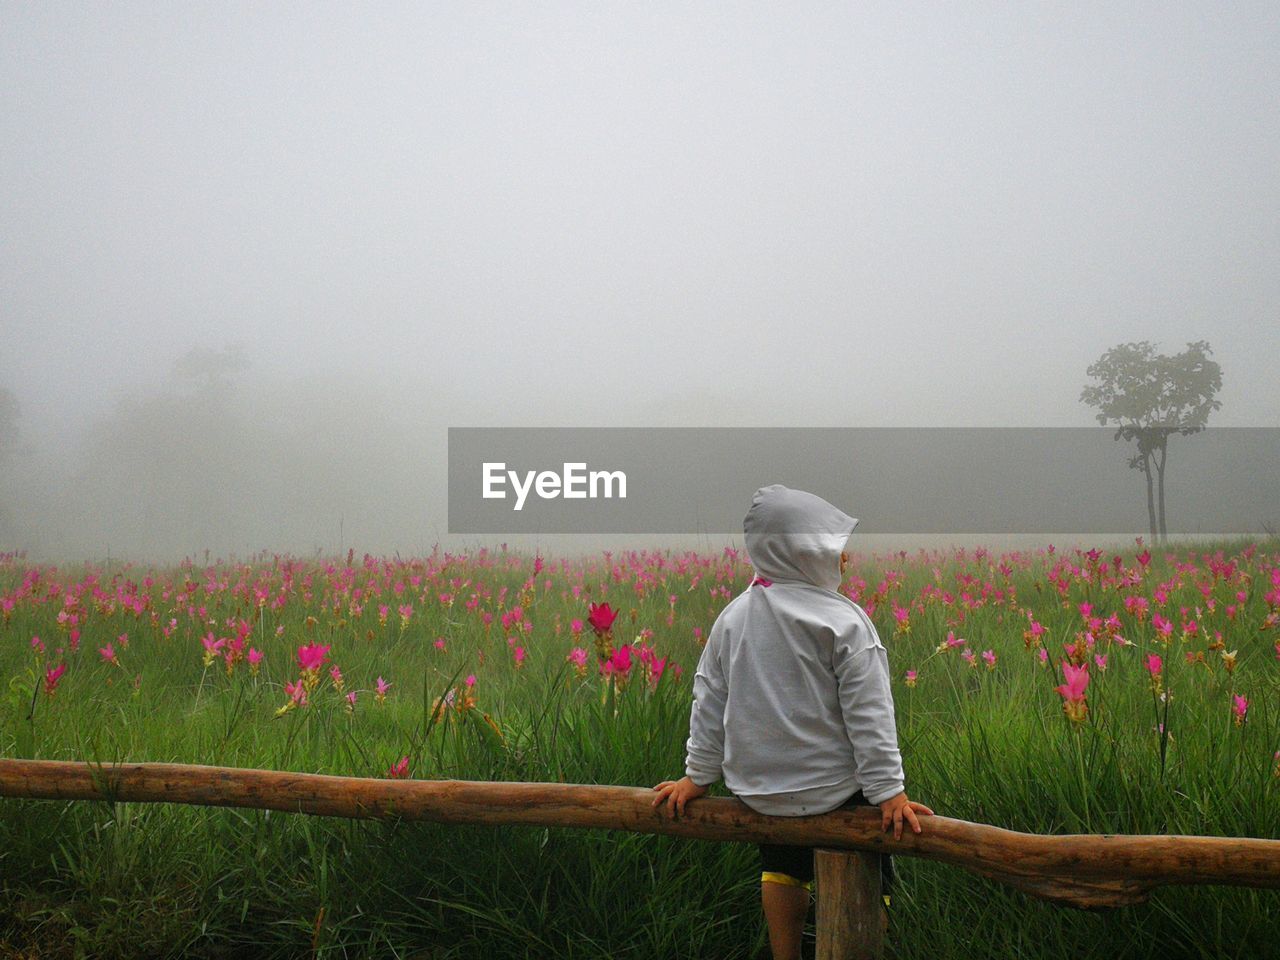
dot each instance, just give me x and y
(1151, 396)
(9, 413)
(210, 369)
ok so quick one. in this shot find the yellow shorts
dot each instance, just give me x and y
(772, 876)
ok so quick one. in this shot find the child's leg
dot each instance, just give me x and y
(786, 905)
(786, 879)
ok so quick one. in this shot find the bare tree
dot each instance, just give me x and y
(1151, 396)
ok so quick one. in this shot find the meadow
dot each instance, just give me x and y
(1112, 690)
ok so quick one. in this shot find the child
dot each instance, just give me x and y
(791, 699)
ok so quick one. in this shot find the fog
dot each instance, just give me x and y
(257, 260)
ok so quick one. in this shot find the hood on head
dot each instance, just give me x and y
(794, 535)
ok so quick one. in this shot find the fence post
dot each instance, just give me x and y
(849, 905)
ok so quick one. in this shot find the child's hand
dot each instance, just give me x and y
(895, 809)
(676, 793)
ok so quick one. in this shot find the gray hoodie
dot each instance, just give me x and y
(791, 698)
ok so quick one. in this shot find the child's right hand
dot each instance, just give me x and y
(896, 809)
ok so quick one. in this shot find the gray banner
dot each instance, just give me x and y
(670, 480)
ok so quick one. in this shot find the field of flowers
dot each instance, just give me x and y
(1104, 691)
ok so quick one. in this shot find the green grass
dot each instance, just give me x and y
(128, 880)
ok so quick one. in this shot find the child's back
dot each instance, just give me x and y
(792, 704)
(791, 700)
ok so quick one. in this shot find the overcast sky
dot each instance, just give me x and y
(555, 214)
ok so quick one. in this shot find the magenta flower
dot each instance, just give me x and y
(108, 653)
(297, 693)
(51, 678)
(1073, 703)
(400, 769)
(990, 657)
(1241, 707)
(1154, 664)
(312, 656)
(1077, 681)
(601, 617)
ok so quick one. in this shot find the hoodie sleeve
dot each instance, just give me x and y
(706, 720)
(862, 671)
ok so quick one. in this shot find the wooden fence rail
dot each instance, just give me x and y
(1082, 870)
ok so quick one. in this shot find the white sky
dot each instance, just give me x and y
(556, 214)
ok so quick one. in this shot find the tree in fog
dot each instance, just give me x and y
(208, 369)
(9, 413)
(1151, 396)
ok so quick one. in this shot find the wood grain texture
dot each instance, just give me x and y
(849, 907)
(1090, 871)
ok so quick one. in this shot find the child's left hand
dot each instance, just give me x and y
(676, 793)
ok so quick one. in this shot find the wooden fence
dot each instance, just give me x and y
(1082, 870)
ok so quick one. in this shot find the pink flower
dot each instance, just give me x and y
(351, 701)
(1077, 682)
(601, 617)
(1044, 656)
(383, 686)
(1101, 660)
(51, 678)
(990, 657)
(440, 643)
(312, 657)
(400, 769)
(297, 693)
(1241, 707)
(518, 653)
(470, 681)
(575, 626)
(911, 678)
(108, 653)
(1154, 664)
